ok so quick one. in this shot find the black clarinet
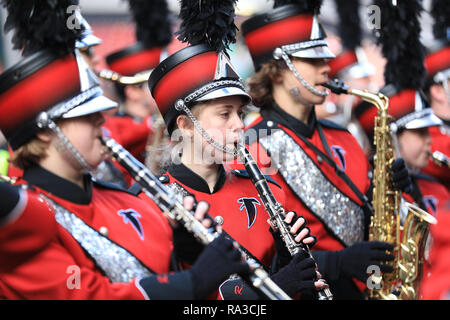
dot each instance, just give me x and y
(168, 202)
(276, 211)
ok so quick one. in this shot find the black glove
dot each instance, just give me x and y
(400, 176)
(217, 262)
(298, 276)
(283, 255)
(185, 246)
(354, 260)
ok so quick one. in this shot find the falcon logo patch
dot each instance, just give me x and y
(431, 203)
(339, 154)
(249, 204)
(132, 216)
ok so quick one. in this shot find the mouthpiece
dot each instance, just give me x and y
(337, 86)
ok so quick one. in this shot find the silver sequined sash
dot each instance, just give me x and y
(337, 211)
(118, 264)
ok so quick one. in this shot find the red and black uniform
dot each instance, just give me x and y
(436, 284)
(440, 136)
(313, 185)
(236, 200)
(59, 241)
(428, 193)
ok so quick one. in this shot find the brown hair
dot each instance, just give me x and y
(30, 153)
(260, 84)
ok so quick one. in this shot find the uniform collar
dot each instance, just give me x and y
(192, 180)
(60, 187)
(275, 113)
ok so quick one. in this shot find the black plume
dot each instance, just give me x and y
(153, 25)
(208, 21)
(401, 46)
(42, 24)
(349, 26)
(308, 6)
(440, 11)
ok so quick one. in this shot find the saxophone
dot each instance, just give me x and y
(408, 238)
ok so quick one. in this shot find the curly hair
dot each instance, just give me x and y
(260, 84)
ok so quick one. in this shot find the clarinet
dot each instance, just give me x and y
(168, 203)
(276, 211)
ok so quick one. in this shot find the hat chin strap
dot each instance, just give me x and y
(181, 106)
(281, 54)
(45, 122)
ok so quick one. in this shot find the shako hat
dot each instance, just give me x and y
(133, 64)
(202, 70)
(292, 26)
(404, 71)
(352, 62)
(53, 81)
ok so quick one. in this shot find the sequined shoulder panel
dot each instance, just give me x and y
(118, 264)
(338, 212)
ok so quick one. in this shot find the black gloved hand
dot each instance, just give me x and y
(185, 246)
(354, 260)
(216, 263)
(298, 276)
(400, 176)
(283, 255)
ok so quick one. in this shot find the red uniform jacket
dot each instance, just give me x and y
(312, 186)
(236, 200)
(345, 152)
(47, 252)
(435, 284)
(434, 194)
(440, 142)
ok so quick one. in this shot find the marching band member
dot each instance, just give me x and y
(319, 164)
(63, 234)
(202, 100)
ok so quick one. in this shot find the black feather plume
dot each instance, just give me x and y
(307, 6)
(440, 11)
(401, 46)
(349, 26)
(153, 25)
(208, 21)
(42, 24)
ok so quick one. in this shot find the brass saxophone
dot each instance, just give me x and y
(408, 238)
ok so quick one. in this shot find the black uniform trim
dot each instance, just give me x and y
(189, 178)
(330, 124)
(136, 188)
(244, 174)
(109, 185)
(65, 189)
(176, 286)
(423, 176)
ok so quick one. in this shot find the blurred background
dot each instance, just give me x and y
(111, 21)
